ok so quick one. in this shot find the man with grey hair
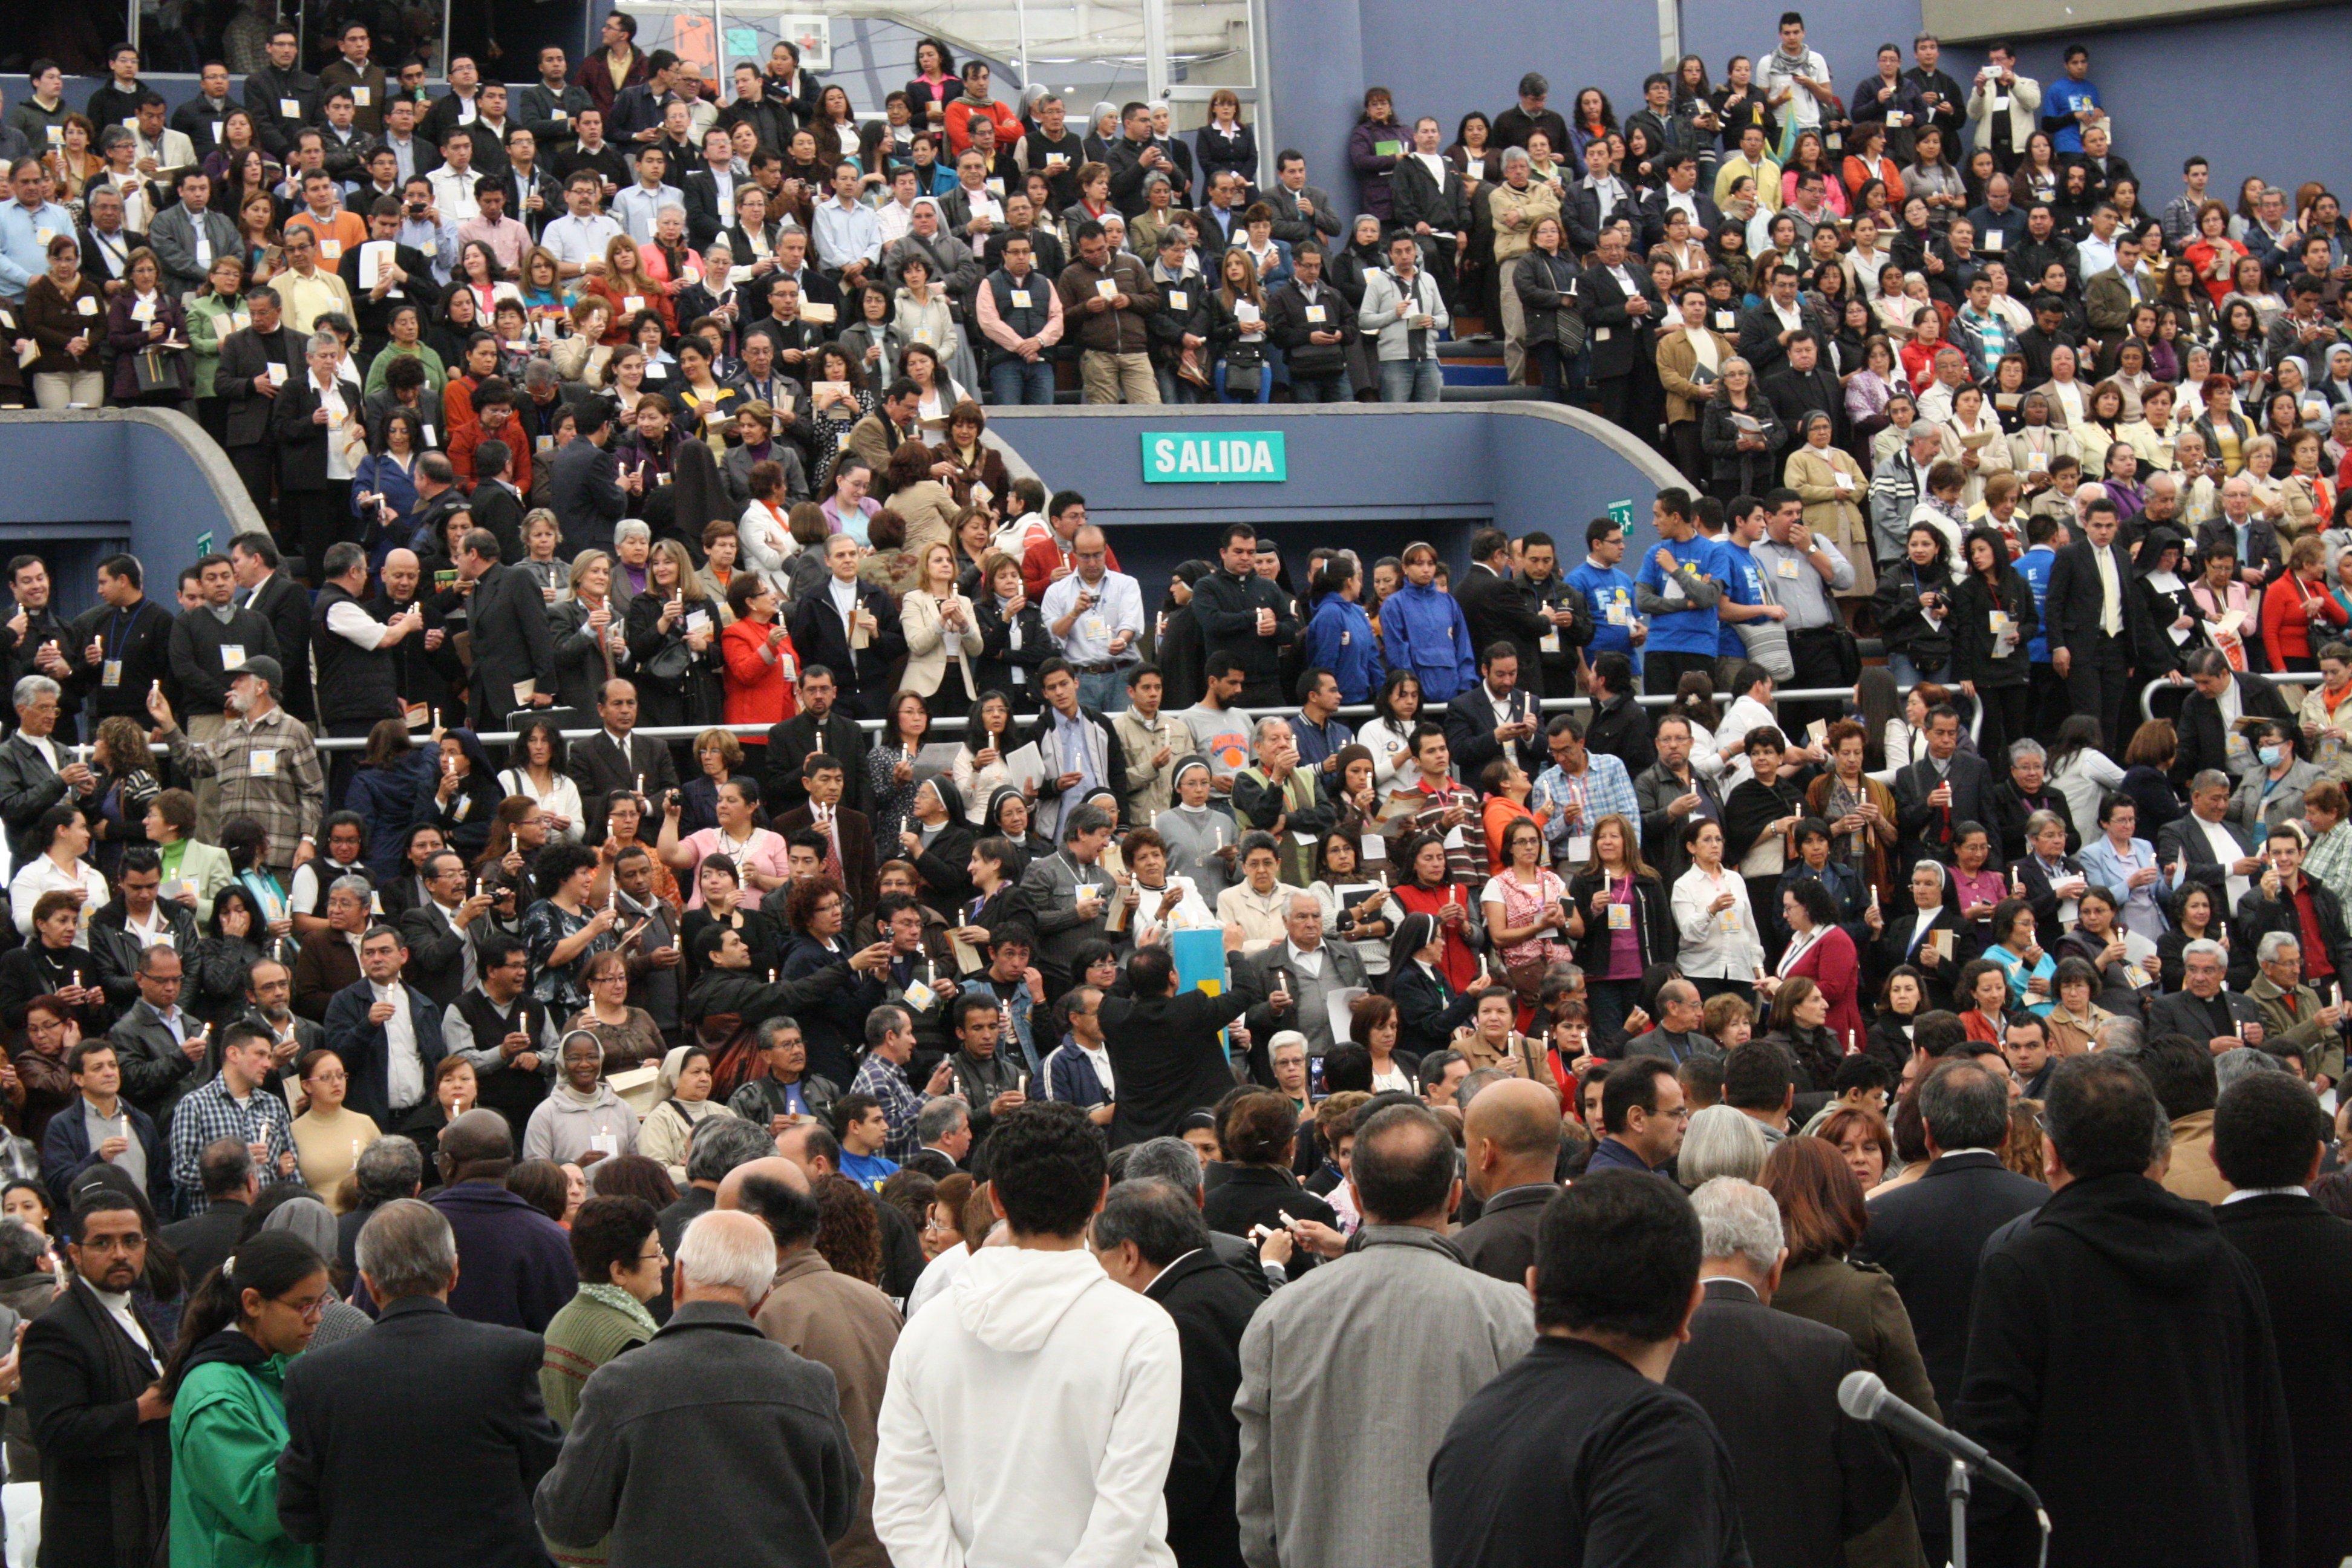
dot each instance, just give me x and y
(2210, 736)
(1396, 1322)
(1899, 484)
(943, 1137)
(2293, 1011)
(420, 1440)
(644, 1437)
(390, 1169)
(1069, 894)
(717, 1146)
(2241, 1062)
(1149, 1236)
(329, 960)
(1929, 1239)
(1264, 1265)
(2205, 1009)
(1307, 969)
(2204, 846)
(36, 771)
(1770, 1382)
(2018, 797)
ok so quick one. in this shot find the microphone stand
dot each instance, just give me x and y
(1957, 1480)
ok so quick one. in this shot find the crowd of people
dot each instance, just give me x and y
(469, 1151)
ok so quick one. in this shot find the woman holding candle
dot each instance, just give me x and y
(1622, 923)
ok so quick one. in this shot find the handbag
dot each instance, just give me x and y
(158, 370)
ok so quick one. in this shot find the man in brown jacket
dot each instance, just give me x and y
(1108, 295)
(831, 1319)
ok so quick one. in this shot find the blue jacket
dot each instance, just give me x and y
(1072, 1080)
(361, 1045)
(1608, 1154)
(1422, 630)
(2034, 567)
(66, 1154)
(1339, 639)
(387, 798)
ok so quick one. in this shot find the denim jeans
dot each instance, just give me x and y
(1174, 388)
(1014, 380)
(1333, 388)
(1402, 380)
(1104, 691)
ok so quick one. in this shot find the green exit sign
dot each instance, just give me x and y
(1241, 456)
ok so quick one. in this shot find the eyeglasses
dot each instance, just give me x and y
(655, 1256)
(608, 979)
(311, 1310)
(330, 1078)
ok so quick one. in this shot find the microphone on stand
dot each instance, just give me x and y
(1864, 1396)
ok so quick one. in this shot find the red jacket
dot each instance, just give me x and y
(958, 120)
(1047, 556)
(757, 692)
(2286, 628)
(1831, 964)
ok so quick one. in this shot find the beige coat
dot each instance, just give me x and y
(1538, 202)
(851, 1328)
(1677, 360)
(1836, 515)
(930, 650)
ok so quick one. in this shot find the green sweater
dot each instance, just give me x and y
(228, 1426)
(584, 1334)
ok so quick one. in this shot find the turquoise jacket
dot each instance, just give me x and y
(228, 1426)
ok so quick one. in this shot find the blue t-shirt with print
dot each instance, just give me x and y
(1694, 630)
(1743, 584)
(1609, 595)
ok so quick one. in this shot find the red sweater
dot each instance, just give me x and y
(2286, 630)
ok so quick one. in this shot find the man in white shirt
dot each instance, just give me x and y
(453, 181)
(387, 1036)
(1795, 76)
(1089, 1371)
(578, 238)
(1097, 615)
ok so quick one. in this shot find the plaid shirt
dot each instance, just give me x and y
(1603, 786)
(886, 1080)
(286, 792)
(208, 1114)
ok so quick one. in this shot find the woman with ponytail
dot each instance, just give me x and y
(226, 1381)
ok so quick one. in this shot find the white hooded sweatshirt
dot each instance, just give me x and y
(1029, 1420)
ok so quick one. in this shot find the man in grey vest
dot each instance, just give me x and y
(357, 683)
(1020, 314)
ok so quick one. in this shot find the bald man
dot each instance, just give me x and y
(1510, 1140)
(813, 1147)
(830, 1318)
(515, 1263)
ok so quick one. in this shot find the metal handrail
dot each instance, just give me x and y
(2166, 683)
(956, 721)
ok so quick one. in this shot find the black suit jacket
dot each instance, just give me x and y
(705, 216)
(1212, 1305)
(821, 637)
(1929, 829)
(1419, 199)
(1796, 394)
(436, 954)
(2303, 1255)
(586, 497)
(282, 602)
(82, 1382)
(1501, 1242)
(512, 644)
(418, 1442)
(1928, 1235)
(2185, 1013)
(301, 442)
(2184, 843)
(600, 767)
(1654, 215)
(376, 315)
(1503, 609)
(1811, 1477)
(2204, 742)
(1627, 340)
(2072, 612)
(93, 263)
(837, 735)
(1471, 719)
(28, 786)
(242, 356)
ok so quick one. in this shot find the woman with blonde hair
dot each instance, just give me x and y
(584, 356)
(673, 636)
(941, 625)
(1237, 330)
